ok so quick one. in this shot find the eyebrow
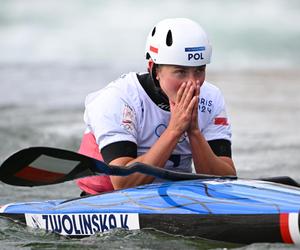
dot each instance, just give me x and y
(180, 67)
(187, 67)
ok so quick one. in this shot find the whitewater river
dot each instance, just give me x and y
(52, 54)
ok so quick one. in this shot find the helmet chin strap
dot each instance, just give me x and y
(152, 70)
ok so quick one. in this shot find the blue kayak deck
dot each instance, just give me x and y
(182, 197)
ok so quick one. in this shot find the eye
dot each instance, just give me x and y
(180, 71)
(201, 69)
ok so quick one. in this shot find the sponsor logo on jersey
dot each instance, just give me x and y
(205, 106)
(162, 127)
(128, 119)
(82, 224)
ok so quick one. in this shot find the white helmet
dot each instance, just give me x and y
(178, 41)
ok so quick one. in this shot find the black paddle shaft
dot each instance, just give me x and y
(38, 166)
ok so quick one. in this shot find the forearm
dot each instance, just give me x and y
(160, 152)
(157, 156)
(205, 161)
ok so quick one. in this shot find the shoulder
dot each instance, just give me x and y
(211, 101)
(125, 88)
(210, 89)
(211, 93)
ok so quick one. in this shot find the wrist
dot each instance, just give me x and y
(173, 133)
(194, 133)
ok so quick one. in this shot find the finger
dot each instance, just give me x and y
(180, 92)
(196, 107)
(172, 104)
(197, 91)
(185, 91)
(197, 94)
(198, 88)
(192, 105)
(188, 94)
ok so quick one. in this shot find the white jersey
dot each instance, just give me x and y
(122, 111)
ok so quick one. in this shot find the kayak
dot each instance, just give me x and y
(223, 208)
(242, 211)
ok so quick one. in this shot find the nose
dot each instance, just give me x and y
(195, 77)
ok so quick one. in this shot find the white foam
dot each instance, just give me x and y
(96, 31)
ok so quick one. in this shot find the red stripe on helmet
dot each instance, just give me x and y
(153, 49)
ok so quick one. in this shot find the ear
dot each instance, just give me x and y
(150, 65)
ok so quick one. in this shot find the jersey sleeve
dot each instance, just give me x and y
(111, 117)
(218, 126)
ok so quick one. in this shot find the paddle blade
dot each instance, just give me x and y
(38, 166)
